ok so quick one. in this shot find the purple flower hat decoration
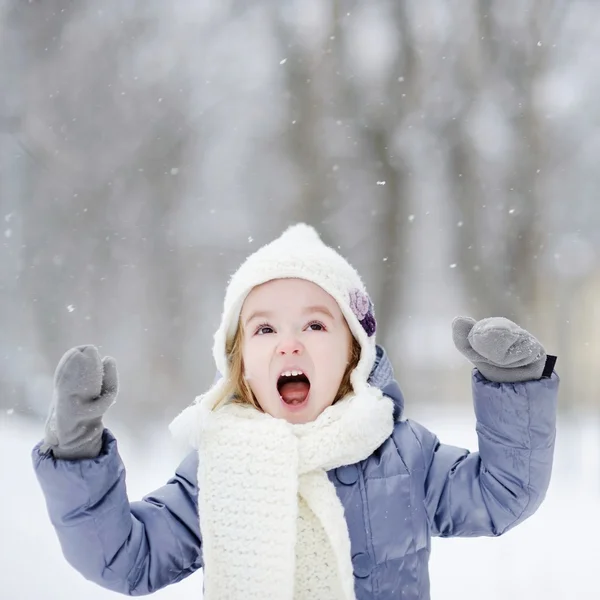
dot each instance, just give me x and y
(363, 309)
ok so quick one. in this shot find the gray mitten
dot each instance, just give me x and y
(500, 349)
(84, 387)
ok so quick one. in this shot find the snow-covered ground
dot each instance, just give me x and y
(553, 556)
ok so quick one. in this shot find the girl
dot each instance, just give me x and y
(305, 482)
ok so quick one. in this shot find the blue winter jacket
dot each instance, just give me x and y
(411, 488)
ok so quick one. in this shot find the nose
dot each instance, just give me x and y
(289, 346)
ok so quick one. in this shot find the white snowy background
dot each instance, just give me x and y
(448, 149)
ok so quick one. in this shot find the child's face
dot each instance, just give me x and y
(294, 325)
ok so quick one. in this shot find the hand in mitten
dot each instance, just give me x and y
(84, 388)
(501, 350)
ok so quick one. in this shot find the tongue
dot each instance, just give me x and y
(294, 392)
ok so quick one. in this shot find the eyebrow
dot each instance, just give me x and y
(265, 314)
(262, 314)
(318, 309)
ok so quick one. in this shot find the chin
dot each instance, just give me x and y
(297, 419)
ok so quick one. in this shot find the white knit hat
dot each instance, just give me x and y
(299, 253)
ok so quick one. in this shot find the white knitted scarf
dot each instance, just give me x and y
(272, 524)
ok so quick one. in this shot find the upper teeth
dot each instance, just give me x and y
(291, 373)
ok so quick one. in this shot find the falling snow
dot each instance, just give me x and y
(501, 182)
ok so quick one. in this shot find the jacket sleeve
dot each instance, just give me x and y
(133, 548)
(488, 492)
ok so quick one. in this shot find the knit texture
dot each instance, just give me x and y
(271, 521)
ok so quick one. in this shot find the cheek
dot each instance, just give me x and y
(246, 361)
(249, 370)
(335, 361)
(254, 364)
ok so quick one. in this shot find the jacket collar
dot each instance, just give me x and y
(382, 376)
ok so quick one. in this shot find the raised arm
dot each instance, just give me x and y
(488, 492)
(133, 548)
(515, 395)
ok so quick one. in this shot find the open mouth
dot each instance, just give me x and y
(293, 388)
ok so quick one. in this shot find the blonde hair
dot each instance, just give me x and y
(237, 388)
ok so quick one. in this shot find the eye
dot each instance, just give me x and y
(316, 326)
(263, 329)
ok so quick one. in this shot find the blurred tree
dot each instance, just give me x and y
(496, 191)
(146, 147)
(97, 237)
(323, 88)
